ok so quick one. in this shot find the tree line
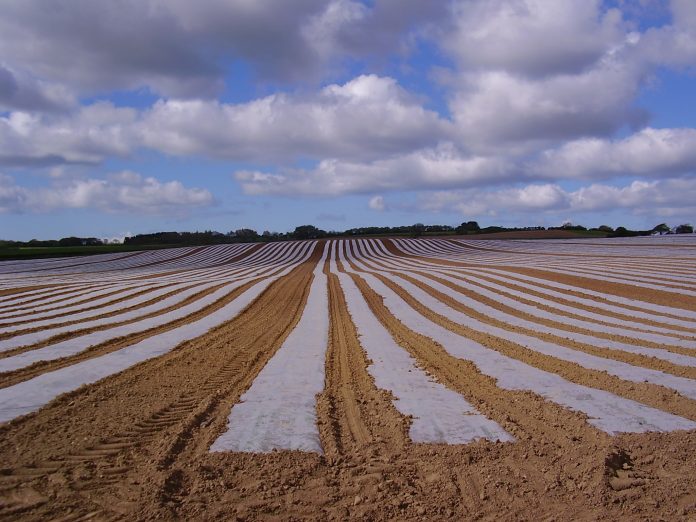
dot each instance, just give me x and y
(248, 235)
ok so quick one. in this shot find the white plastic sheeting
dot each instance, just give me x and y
(28, 396)
(495, 291)
(686, 387)
(439, 414)
(606, 411)
(278, 411)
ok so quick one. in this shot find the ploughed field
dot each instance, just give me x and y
(377, 379)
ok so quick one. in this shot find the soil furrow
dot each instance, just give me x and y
(180, 382)
(619, 355)
(624, 290)
(652, 395)
(136, 445)
(14, 377)
(353, 413)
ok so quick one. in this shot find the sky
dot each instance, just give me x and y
(120, 117)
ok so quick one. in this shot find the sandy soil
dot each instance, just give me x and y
(135, 446)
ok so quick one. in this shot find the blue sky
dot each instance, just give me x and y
(127, 117)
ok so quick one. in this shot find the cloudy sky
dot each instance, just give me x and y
(121, 116)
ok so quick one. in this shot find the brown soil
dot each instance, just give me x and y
(660, 297)
(135, 446)
(230, 261)
(58, 313)
(51, 293)
(580, 307)
(20, 290)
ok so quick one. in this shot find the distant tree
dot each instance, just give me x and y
(685, 229)
(493, 229)
(438, 228)
(605, 228)
(621, 232)
(246, 234)
(662, 228)
(470, 227)
(417, 230)
(308, 232)
(569, 226)
(70, 241)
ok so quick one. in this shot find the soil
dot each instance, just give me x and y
(135, 446)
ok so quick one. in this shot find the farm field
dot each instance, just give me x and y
(376, 379)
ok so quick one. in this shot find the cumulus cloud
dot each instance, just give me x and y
(21, 92)
(668, 197)
(122, 192)
(672, 45)
(537, 92)
(367, 117)
(439, 167)
(495, 109)
(532, 37)
(530, 74)
(532, 198)
(94, 47)
(377, 203)
(178, 48)
(84, 136)
(649, 152)
(358, 29)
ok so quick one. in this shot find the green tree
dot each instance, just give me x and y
(246, 234)
(308, 232)
(417, 230)
(70, 241)
(470, 227)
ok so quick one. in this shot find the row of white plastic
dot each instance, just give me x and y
(30, 395)
(279, 410)
(554, 264)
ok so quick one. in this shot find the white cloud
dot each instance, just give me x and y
(532, 37)
(650, 152)
(473, 202)
(122, 192)
(672, 45)
(494, 109)
(377, 203)
(669, 197)
(365, 118)
(324, 28)
(19, 91)
(440, 167)
(537, 92)
(85, 136)
(177, 47)
(368, 30)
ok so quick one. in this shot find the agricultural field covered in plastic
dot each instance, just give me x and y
(378, 378)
